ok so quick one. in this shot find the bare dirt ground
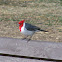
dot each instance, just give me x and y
(45, 15)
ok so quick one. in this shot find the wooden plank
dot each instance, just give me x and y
(11, 59)
(41, 49)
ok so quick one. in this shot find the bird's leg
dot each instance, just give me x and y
(24, 37)
(29, 38)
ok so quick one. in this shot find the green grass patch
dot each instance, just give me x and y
(61, 2)
(50, 22)
(60, 30)
(49, 1)
(60, 19)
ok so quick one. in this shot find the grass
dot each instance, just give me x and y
(46, 14)
(60, 19)
(49, 1)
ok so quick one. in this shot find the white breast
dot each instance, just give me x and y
(25, 31)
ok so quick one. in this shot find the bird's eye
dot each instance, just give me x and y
(20, 23)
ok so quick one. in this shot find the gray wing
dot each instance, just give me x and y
(31, 27)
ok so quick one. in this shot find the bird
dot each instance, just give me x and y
(28, 29)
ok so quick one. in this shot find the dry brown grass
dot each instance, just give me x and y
(45, 15)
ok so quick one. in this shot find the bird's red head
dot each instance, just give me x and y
(21, 24)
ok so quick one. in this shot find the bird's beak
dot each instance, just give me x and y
(19, 24)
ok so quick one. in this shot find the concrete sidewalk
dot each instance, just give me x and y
(41, 49)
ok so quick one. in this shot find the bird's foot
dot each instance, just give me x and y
(23, 38)
(28, 40)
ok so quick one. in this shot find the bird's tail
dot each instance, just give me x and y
(43, 30)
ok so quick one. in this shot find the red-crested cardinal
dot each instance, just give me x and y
(28, 29)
